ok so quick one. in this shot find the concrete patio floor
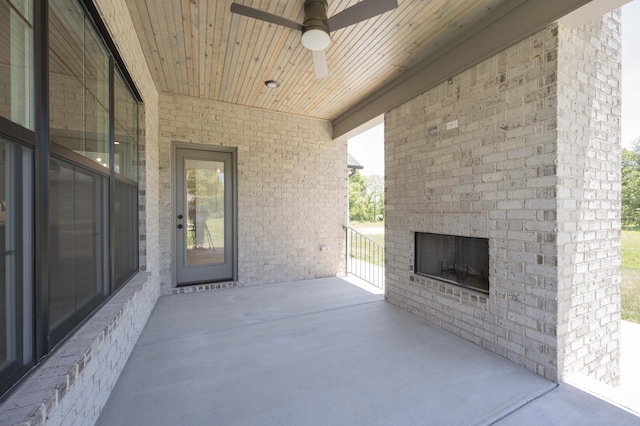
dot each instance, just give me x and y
(323, 352)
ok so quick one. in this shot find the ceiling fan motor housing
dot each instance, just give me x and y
(315, 31)
(317, 27)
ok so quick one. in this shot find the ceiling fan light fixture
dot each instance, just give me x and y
(272, 84)
(317, 27)
(315, 39)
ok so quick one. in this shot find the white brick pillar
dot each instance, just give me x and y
(588, 197)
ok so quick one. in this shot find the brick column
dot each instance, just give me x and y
(589, 199)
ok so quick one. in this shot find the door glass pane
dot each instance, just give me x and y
(205, 207)
(15, 261)
(16, 62)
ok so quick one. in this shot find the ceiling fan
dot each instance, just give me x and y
(316, 27)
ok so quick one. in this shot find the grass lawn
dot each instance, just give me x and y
(366, 228)
(216, 229)
(359, 225)
(359, 249)
(631, 276)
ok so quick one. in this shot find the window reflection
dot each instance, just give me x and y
(205, 207)
(16, 62)
(79, 83)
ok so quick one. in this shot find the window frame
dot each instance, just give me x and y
(37, 138)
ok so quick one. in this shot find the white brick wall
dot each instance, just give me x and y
(292, 187)
(536, 172)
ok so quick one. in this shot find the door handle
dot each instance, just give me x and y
(180, 226)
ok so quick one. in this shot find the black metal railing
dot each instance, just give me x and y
(365, 258)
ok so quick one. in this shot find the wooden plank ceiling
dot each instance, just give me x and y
(199, 48)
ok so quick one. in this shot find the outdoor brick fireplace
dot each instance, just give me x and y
(521, 152)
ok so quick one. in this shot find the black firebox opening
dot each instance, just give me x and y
(459, 260)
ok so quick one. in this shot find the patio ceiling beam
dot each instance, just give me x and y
(512, 22)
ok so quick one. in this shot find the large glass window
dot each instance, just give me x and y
(16, 62)
(77, 243)
(88, 212)
(83, 84)
(78, 83)
(15, 261)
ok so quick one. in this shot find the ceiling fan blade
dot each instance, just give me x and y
(264, 16)
(320, 66)
(360, 12)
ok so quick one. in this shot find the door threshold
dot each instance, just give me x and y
(197, 287)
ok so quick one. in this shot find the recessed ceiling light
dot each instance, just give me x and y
(272, 84)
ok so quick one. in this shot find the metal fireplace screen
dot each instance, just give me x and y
(459, 260)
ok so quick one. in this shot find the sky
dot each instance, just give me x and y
(368, 147)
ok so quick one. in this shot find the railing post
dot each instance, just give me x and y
(346, 249)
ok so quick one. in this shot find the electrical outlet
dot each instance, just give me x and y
(452, 125)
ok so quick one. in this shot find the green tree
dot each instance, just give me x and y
(631, 185)
(366, 198)
(375, 191)
(358, 199)
(207, 185)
